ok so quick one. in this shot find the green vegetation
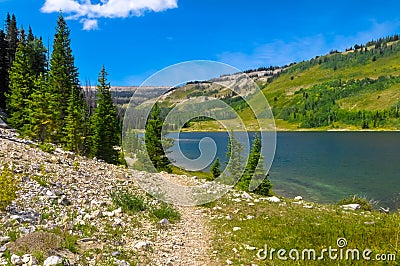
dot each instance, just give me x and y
(289, 226)
(8, 186)
(129, 202)
(215, 169)
(166, 211)
(105, 131)
(44, 99)
(365, 204)
(153, 141)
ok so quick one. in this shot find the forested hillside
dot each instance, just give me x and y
(356, 89)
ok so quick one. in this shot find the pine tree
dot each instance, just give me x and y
(63, 79)
(104, 123)
(153, 142)
(44, 112)
(3, 69)
(21, 83)
(255, 170)
(235, 160)
(11, 37)
(75, 122)
(215, 169)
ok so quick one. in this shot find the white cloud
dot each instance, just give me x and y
(279, 52)
(90, 24)
(89, 13)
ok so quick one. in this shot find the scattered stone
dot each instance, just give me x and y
(271, 199)
(117, 222)
(369, 223)
(229, 262)
(142, 245)
(298, 198)
(229, 217)
(236, 228)
(351, 207)
(246, 195)
(249, 217)
(53, 261)
(308, 206)
(4, 239)
(164, 222)
(387, 210)
(26, 258)
(3, 249)
(115, 253)
(16, 260)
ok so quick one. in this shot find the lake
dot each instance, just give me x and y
(320, 166)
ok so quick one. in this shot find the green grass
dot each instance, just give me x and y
(8, 186)
(291, 226)
(166, 211)
(180, 171)
(129, 202)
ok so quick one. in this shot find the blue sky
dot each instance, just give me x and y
(136, 38)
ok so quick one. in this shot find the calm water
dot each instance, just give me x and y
(320, 166)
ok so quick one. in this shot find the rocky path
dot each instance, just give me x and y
(186, 243)
(72, 193)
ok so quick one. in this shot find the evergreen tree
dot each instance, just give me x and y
(44, 112)
(21, 86)
(3, 69)
(255, 170)
(11, 37)
(104, 123)
(63, 81)
(153, 142)
(215, 169)
(235, 160)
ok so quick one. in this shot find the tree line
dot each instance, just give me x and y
(43, 97)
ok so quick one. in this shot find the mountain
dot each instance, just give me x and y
(353, 90)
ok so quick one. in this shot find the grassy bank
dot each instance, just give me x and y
(242, 227)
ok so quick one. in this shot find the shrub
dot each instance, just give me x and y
(8, 187)
(365, 204)
(39, 244)
(166, 211)
(47, 147)
(128, 202)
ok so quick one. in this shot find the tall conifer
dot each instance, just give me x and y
(105, 128)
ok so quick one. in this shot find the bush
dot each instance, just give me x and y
(8, 187)
(166, 211)
(39, 244)
(365, 205)
(47, 147)
(128, 202)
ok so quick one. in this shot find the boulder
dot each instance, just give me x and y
(351, 207)
(53, 261)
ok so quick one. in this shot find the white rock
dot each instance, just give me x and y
(272, 199)
(251, 204)
(351, 207)
(16, 260)
(4, 239)
(117, 222)
(298, 198)
(52, 261)
(26, 258)
(142, 245)
(229, 262)
(236, 228)
(308, 206)
(164, 222)
(246, 195)
(249, 217)
(236, 200)
(117, 212)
